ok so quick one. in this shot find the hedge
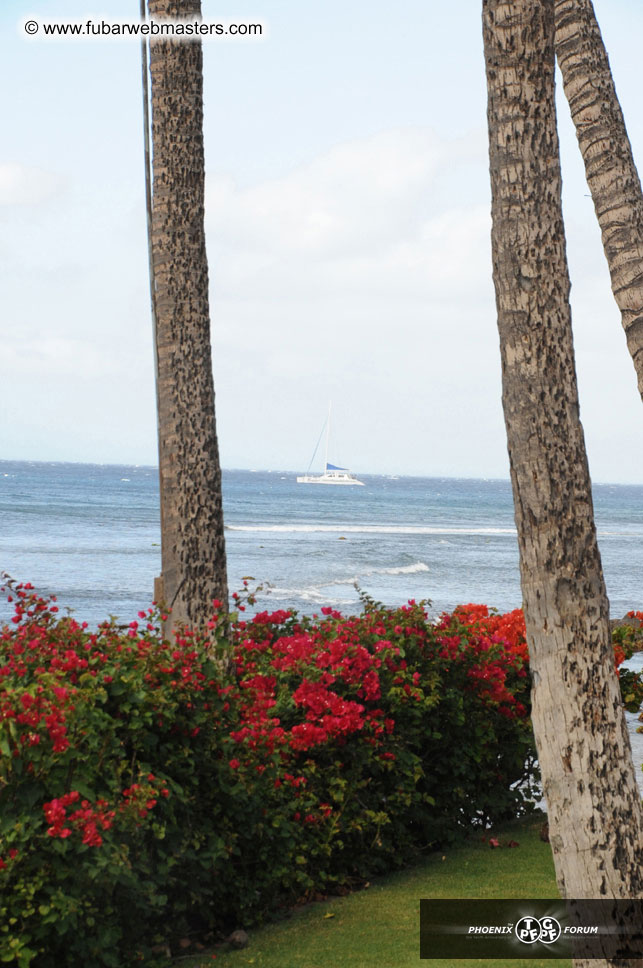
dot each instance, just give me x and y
(154, 790)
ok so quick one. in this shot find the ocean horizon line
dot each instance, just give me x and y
(389, 475)
(288, 470)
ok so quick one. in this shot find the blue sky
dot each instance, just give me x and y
(348, 236)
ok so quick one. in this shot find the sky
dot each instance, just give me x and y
(347, 221)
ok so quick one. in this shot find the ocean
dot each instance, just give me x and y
(89, 534)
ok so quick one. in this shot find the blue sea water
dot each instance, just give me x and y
(90, 535)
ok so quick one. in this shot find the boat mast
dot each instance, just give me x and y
(327, 438)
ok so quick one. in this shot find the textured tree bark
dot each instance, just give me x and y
(192, 536)
(583, 746)
(609, 165)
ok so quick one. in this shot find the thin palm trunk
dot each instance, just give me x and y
(609, 164)
(583, 746)
(192, 537)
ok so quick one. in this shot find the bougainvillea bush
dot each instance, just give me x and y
(627, 638)
(153, 790)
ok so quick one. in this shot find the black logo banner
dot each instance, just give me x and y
(459, 928)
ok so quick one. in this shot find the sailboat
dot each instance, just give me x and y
(332, 473)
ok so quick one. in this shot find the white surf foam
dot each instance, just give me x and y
(364, 529)
(333, 590)
(402, 570)
(317, 595)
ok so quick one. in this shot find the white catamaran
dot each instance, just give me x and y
(332, 474)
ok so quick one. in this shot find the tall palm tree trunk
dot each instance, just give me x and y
(609, 165)
(583, 745)
(192, 537)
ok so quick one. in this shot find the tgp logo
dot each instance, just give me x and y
(530, 930)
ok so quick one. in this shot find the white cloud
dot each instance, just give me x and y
(370, 220)
(26, 185)
(353, 199)
(363, 275)
(63, 357)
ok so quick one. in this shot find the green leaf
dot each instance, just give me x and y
(30, 794)
(85, 791)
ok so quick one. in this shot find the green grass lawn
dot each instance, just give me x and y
(379, 927)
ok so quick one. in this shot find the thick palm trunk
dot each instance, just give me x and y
(193, 549)
(609, 166)
(583, 746)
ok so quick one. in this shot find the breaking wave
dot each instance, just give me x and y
(364, 529)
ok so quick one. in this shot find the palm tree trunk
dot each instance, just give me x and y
(609, 165)
(583, 745)
(192, 537)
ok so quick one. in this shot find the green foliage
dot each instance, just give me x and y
(152, 790)
(627, 637)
